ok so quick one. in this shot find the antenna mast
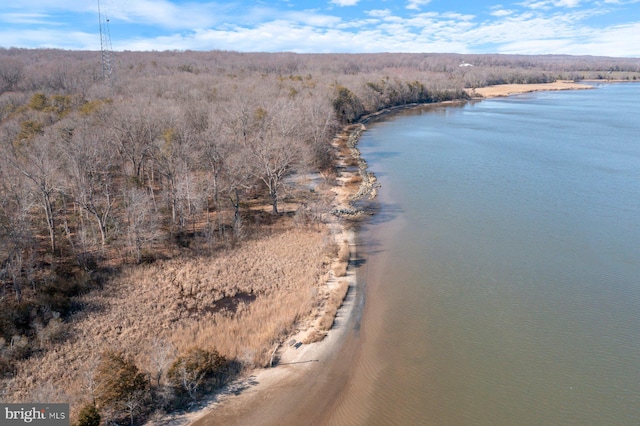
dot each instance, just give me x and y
(105, 44)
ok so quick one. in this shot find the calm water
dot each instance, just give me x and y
(502, 273)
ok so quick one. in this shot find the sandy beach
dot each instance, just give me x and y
(514, 89)
(277, 395)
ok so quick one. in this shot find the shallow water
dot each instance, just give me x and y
(498, 281)
(502, 272)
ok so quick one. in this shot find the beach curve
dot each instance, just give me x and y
(274, 396)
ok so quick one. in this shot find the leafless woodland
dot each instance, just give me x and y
(168, 222)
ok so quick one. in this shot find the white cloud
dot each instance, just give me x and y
(567, 3)
(311, 18)
(417, 4)
(531, 47)
(359, 23)
(165, 13)
(46, 38)
(621, 41)
(458, 16)
(524, 28)
(44, 6)
(343, 3)
(548, 4)
(501, 12)
(26, 18)
(281, 35)
(617, 40)
(529, 32)
(538, 28)
(379, 13)
(534, 4)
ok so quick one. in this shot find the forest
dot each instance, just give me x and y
(163, 227)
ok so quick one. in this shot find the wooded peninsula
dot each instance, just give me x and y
(163, 228)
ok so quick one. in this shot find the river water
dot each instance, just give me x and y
(502, 270)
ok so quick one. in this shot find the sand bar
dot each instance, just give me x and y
(514, 89)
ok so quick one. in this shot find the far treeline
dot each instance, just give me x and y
(185, 155)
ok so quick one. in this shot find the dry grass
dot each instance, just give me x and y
(240, 302)
(355, 180)
(314, 336)
(351, 161)
(340, 269)
(345, 252)
(342, 263)
(333, 303)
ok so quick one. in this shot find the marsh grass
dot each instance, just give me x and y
(239, 302)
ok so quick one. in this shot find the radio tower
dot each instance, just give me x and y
(105, 44)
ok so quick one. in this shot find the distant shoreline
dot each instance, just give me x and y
(503, 90)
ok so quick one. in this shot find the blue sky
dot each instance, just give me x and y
(577, 27)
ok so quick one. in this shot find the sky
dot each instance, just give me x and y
(575, 27)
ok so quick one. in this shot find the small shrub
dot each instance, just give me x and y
(121, 387)
(331, 249)
(88, 416)
(39, 102)
(54, 331)
(196, 369)
(315, 336)
(355, 179)
(332, 305)
(343, 255)
(340, 269)
(20, 347)
(7, 366)
(345, 252)
(351, 161)
(29, 129)
(61, 104)
(92, 107)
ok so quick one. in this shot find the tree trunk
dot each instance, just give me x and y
(274, 201)
(48, 209)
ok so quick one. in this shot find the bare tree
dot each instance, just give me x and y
(36, 156)
(133, 133)
(214, 150)
(161, 355)
(319, 127)
(273, 149)
(92, 176)
(11, 73)
(16, 235)
(89, 375)
(172, 159)
(237, 174)
(141, 223)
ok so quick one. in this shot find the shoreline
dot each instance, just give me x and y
(502, 90)
(236, 402)
(252, 398)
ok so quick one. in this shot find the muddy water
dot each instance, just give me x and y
(503, 272)
(500, 276)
